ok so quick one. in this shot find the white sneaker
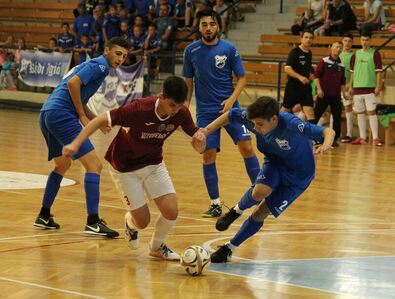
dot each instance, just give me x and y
(165, 253)
(131, 236)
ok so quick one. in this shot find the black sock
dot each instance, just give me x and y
(92, 219)
(45, 212)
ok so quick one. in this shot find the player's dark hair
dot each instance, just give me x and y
(366, 33)
(118, 41)
(176, 89)
(153, 25)
(307, 31)
(349, 35)
(209, 12)
(264, 107)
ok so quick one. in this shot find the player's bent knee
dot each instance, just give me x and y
(260, 192)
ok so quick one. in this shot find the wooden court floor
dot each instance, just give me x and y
(336, 241)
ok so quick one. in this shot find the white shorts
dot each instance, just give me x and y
(347, 102)
(154, 180)
(364, 100)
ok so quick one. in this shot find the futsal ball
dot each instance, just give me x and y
(195, 259)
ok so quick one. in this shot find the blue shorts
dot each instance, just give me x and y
(283, 195)
(236, 131)
(60, 128)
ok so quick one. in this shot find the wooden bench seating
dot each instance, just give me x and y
(38, 5)
(37, 15)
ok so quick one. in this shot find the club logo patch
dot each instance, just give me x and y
(220, 61)
(301, 127)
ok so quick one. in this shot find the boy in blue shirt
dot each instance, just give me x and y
(111, 24)
(211, 63)
(60, 120)
(66, 40)
(288, 169)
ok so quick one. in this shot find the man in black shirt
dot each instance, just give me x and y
(341, 18)
(299, 71)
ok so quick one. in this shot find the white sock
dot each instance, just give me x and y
(238, 210)
(374, 126)
(162, 228)
(349, 123)
(231, 246)
(331, 121)
(362, 125)
(216, 201)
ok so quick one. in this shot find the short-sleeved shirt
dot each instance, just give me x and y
(137, 42)
(142, 6)
(154, 42)
(372, 9)
(288, 145)
(212, 68)
(91, 73)
(165, 23)
(300, 61)
(80, 45)
(111, 24)
(83, 24)
(140, 140)
(66, 41)
(330, 71)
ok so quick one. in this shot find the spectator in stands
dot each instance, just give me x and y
(165, 27)
(143, 7)
(312, 18)
(331, 83)
(83, 24)
(183, 14)
(125, 33)
(137, 41)
(6, 74)
(53, 45)
(111, 24)
(123, 13)
(366, 83)
(83, 49)
(98, 15)
(66, 40)
(98, 40)
(152, 45)
(20, 46)
(221, 8)
(345, 57)
(299, 70)
(170, 3)
(141, 21)
(341, 19)
(9, 42)
(374, 16)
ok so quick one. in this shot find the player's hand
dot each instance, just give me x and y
(70, 150)
(303, 79)
(322, 149)
(377, 91)
(199, 141)
(320, 93)
(227, 104)
(351, 91)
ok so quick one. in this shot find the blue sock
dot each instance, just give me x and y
(247, 201)
(249, 228)
(92, 192)
(51, 189)
(211, 180)
(252, 167)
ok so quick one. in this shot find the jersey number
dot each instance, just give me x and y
(285, 203)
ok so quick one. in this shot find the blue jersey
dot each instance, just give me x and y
(212, 68)
(288, 145)
(91, 73)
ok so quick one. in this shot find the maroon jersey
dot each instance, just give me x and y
(140, 140)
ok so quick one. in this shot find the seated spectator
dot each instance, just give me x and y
(20, 46)
(125, 33)
(374, 16)
(6, 74)
(123, 13)
(83, 23)
(137, 41)
(9, 42)
(183, 14)
(111, 24)
(340, 19)
(66, 40)
(170, 3)
(165, 27)
(312, 18)
(141, 21)
(220, 8)
(152, 45)
(82, 49)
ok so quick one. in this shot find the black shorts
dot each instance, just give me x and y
(297, 93)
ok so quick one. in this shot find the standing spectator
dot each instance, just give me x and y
(330, 80)
(83, 23)
(366, 82)
(143, 7)
(98, 39)
(183, 14)
(111, 24)
(374, 16)
(123, 14)
(221, 8)
(340, 19)
(83, 48)
(165, 27)
(98, 15)
(211, 63)
(66, 40)
(299, 70)
(6, 73)
(20, 46)
(345, 57)
(152, 45)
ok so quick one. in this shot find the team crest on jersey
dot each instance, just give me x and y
(169, 128)
(161, 127)
(102, 68)
(220, 61)
(283, 144)
(301, 127)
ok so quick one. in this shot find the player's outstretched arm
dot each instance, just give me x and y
(98, 122)
(329, 136)
(221, 121)
(199, 141)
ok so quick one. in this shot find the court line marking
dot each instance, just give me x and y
(42, 286)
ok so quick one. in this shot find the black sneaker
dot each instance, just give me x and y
(214, 211)
(225, 221)
(46, 223)
(222, 255)
(100, 228)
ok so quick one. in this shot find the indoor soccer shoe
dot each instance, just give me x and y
(165, 253)
(131, 236)
(46, 223)
(100, 228)
(214, 211)
(222, 255)
(225, 221)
